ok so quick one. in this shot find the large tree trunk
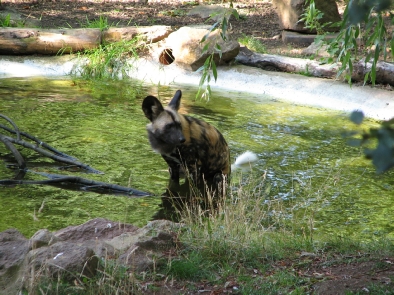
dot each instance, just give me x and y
(20, 41)
(384, 70)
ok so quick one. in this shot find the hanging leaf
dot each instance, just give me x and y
(214, 71)
(357, 117)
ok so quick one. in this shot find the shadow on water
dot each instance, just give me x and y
(306, 163)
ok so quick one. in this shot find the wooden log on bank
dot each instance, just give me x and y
(22, 41)
(148, 34)
(313, 68)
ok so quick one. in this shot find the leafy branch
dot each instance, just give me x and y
(212, 45)
(312, 17)
(382, 155)
(363, 23)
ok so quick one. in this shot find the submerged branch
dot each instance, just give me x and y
(14, 151)
(50, 152)
(35, 139)
(53, 156)
(58, 179)
(16, 131)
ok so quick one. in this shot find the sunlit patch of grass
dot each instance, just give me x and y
(252, 43)
(108, 60)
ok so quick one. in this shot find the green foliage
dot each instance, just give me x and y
(363, 22)
(360, 10)
(382, 155)
(209, 67)
(193, 266)
(7, 22)
(100, 23)
(312, 18)
(108, 61)
(252, 43)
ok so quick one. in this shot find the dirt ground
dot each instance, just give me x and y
(258, 18)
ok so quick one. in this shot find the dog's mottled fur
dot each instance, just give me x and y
(186, 143)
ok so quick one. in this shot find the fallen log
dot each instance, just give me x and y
(384, 70)
(150, 34)
(286, 64)
(22, 41)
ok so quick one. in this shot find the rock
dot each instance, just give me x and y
(13, 250)
(290, 11)
(75, 251)
(42, 238)
(215, 11)
(301, 39)
(62, 259)
(186, 48)
(95, 229)
(317, 49)
(94, 233)
(149, 243)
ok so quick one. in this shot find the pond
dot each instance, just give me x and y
(302, 154)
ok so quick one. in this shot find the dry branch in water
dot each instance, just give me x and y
(50, 152)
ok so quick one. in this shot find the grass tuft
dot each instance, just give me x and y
(109, 61)
(252, 43)
(6, 21)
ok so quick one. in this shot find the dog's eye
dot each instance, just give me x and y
(170, 125)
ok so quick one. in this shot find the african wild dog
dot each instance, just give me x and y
(186, 143)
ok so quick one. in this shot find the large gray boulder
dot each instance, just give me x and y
(290, 11)
(13, 249)
(75, 251)
(148, 243)
(63, 259)
(187, 50)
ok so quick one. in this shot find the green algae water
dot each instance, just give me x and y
(303, 157)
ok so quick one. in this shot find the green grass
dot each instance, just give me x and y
(245, 245)
(8, 22)
(108, 61)
(100, 23)
(252, 43)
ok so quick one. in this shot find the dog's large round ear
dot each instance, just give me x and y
(152, 107)
(176, 100)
